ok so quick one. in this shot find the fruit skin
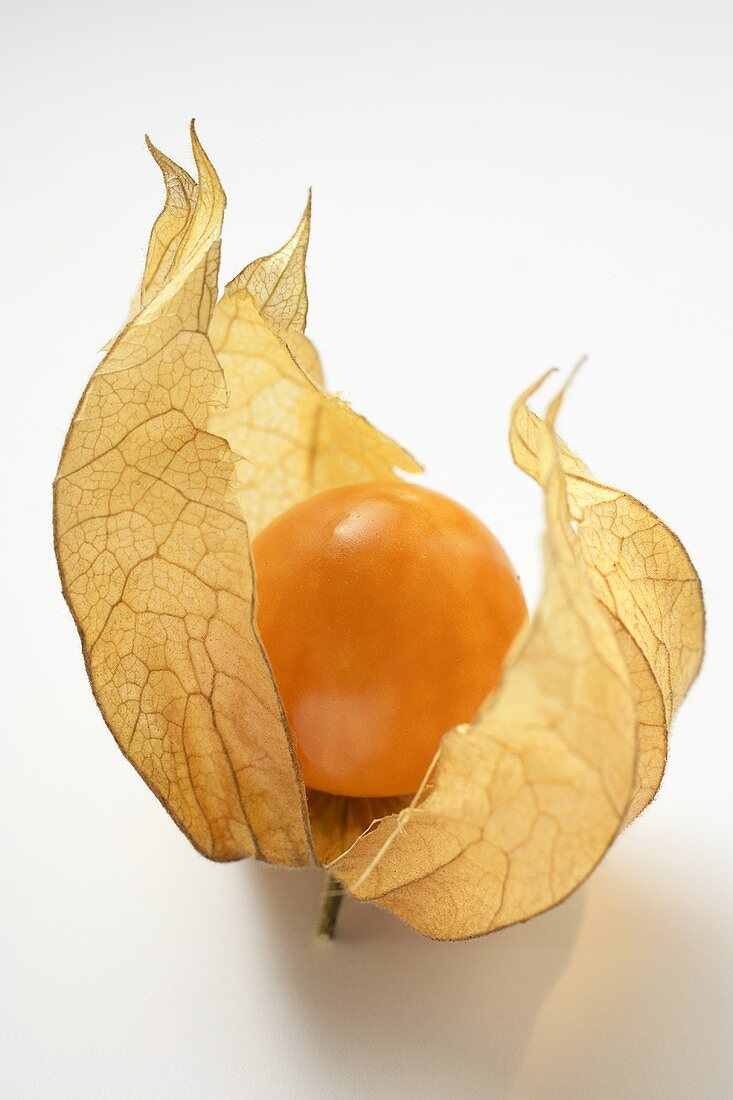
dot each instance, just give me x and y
(386, 610)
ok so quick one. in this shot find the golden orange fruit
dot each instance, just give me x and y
(386, 610)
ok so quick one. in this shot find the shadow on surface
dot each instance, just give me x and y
(644, 1009)
(392, 1010)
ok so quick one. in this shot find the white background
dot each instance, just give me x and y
(498, 187)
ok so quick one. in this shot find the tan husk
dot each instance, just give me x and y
(642, 574)
(202, 423)
(155, 563)
(277, 286)
(298, 439)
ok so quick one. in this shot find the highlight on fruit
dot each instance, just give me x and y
(310, 659)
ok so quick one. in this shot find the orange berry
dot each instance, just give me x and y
(386, 610)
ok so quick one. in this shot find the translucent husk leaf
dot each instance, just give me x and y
(298, 439)
(278, 288)
(169, 228)
(277, 284)
(154, 557)
(641, 573)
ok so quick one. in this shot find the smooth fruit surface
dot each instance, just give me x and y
(386, 610)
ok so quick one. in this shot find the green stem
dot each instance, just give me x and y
(333, 895)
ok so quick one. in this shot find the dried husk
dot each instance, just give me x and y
(297, 438)
(155, 563)
(203, 422)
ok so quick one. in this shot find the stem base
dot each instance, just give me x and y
(333, 895)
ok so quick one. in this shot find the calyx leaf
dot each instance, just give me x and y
(276, 283)
(641, 573)
(298, 438)
(154, 557)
